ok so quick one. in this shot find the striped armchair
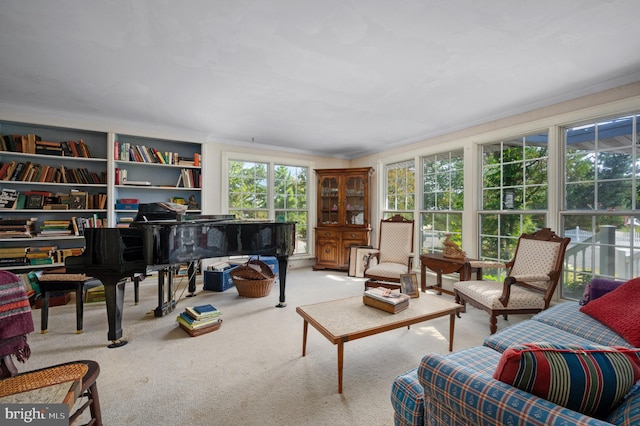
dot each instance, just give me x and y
(532, 279)
(394, 256)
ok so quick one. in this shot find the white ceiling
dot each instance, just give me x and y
(340, 78)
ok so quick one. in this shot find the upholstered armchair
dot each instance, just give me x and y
(394, 255)
(531, 280)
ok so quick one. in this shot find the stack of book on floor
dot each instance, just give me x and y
(201, 319)
(386, 299)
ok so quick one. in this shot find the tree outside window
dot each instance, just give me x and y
(601, 202)
(250, 196)
(514, 195)
(443, 200)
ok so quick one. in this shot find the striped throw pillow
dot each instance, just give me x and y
(589, 379)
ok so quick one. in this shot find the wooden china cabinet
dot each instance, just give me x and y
(343, 215)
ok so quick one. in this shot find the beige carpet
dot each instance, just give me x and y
(250, 371)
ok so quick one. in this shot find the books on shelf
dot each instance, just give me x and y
(29, 171)
(125, 151)
(17, 227)
(33, 144)
(11, 199)
(189, 178)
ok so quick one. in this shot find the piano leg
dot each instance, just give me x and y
(164, 307)
(191, 273)
(114, 298)
(282, 272)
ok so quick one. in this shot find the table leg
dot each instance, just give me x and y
(452, 325)
(423, 277)
(340, 364)
(305, 327)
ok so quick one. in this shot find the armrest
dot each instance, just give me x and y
(523, 281)
(470, 397)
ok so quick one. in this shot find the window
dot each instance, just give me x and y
(290, 201)
(443, 200)
(600, 213)
(271, 190)
(248, 190)
(400, 189)
(514, 194)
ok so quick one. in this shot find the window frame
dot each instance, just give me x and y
(271, 162)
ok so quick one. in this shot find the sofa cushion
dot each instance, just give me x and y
(531, 331)
(590, 379)
(628, 412)
(619, 310)
(567, 317)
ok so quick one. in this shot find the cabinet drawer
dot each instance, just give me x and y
(326, 233)
(354, 235)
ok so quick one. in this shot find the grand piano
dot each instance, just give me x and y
(162, 238)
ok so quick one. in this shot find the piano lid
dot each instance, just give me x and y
(172, 212)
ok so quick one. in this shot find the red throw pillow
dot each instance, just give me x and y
(619, 310)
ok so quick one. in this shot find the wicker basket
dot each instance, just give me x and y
(253, 279)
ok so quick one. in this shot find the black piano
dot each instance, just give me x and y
(160, 239)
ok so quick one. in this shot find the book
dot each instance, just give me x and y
(384, 305)
(205, 309)
(204, 315)
(392, 297)
(192, 324)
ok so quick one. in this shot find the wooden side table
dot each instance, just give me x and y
(445, 265)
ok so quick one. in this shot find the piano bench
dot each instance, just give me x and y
(63, 283)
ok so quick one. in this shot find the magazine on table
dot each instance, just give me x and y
(386, 295)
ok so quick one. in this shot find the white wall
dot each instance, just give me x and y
(617, 101)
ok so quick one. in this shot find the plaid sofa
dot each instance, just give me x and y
(458, 389)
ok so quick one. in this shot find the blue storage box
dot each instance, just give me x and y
(218, 281)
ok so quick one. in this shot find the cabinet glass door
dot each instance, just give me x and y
(355, 200)
(329, 201)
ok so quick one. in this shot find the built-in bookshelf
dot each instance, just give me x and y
(75, 176)
(51, 178)
(148, 170)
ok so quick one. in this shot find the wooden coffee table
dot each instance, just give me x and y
(348, 319)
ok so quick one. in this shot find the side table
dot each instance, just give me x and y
(445, 265)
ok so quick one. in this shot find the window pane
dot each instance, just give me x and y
(601, 184)
(400, 185)
(515, 174)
